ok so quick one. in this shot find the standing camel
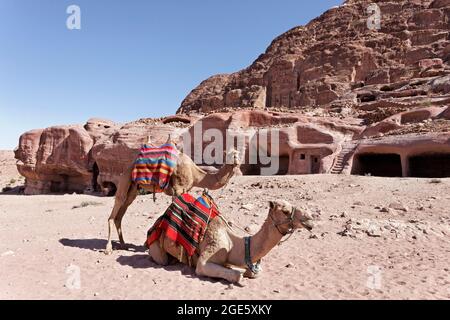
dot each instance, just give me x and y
(186, 175)
(221, 248)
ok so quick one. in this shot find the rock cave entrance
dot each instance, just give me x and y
(109, 188)
(434, 165)
(376, 164)
(60, 186)
(95, 173)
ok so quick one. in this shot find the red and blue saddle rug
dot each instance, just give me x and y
(185, 221)
(154, 166)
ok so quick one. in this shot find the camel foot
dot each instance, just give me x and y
(235, 277)
(251, 275)
(108, 251)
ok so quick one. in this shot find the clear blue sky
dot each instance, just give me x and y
(131, 59)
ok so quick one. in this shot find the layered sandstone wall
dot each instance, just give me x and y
(330, 59)
(338, 96)
(93, 157)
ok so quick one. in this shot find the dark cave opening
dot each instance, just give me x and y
(435, 165)
(380, 165)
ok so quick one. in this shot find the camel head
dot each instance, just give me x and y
(288, 218)
(232, 157)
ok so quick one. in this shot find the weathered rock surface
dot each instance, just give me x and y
(93, 157)
(336, 60)
(340, 98)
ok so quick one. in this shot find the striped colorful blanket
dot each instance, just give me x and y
(185, 221)
(155, 165)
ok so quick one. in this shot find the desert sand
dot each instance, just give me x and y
(377, 238)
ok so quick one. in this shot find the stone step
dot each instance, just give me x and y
(339, 165)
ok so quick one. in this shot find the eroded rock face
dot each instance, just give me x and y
(335, 57)
(338, 97)
(55, 159)
(66, 159)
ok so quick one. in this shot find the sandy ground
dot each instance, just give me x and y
(360, 249)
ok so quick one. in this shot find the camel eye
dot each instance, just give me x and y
(286, 211)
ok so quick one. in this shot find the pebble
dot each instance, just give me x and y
(248, 207)
(289, 265)
(384, 209)
(398, 206)
(374, 232)
(7, 253)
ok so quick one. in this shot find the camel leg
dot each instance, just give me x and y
(117, 205)
(120, 199)
(214, 270)
(158, 254)
(131, 196)
(211, 264)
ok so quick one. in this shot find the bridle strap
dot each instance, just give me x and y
(290, 221)
(254, 268)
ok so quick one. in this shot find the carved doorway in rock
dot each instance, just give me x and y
(283, 167)
(433, 165)
(60, 186)
(314, 164)
(95, 173)
(377, 164)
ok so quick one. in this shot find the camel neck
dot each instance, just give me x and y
(264, 240)
(218, 179)
(225, 172)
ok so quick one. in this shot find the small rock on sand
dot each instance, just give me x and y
(398, 206)
(386, 210)
(7, 253)
(289, 265)
(248, 207)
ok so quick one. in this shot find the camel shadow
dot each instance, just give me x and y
(143, 261)
(98, 245)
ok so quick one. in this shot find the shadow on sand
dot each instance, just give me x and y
(98, 245)
(143, 261)
(12, 191)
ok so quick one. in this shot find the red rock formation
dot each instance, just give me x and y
(66, 159)
(342, 99)
(330, 59)
(55, 159)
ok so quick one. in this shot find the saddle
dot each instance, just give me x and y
(185, 221)
(154, 166)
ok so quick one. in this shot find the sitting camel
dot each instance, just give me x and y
(186, 175)
(221, 248)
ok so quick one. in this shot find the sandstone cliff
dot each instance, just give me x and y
(337, 61)
(341, 97)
